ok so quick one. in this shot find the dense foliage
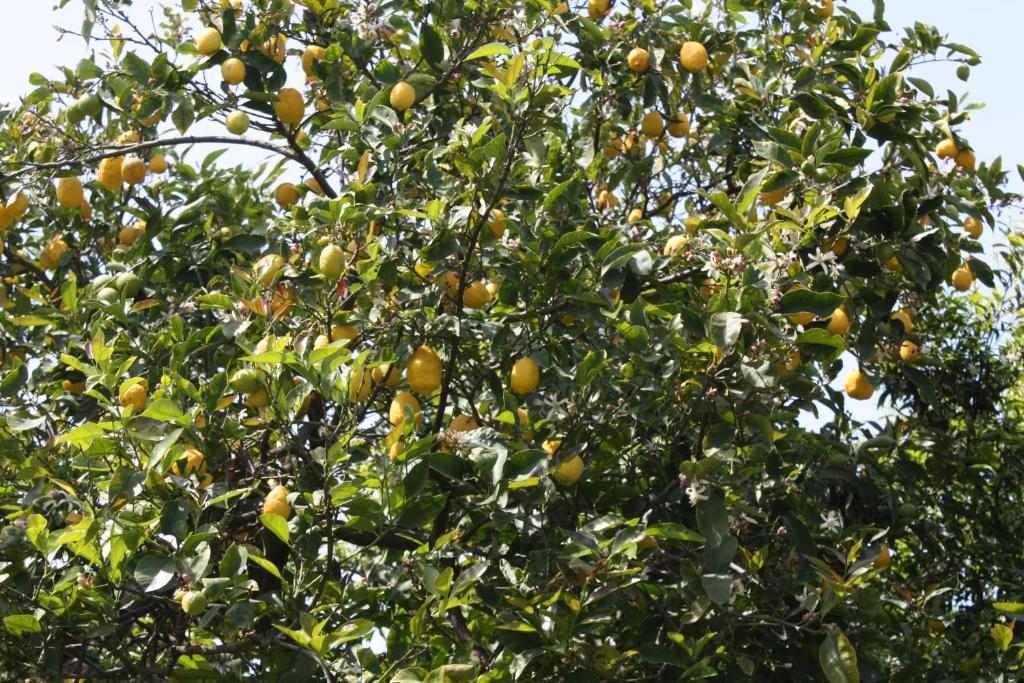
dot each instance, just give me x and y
(501, 368)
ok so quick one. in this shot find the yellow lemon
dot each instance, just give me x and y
(424, 371)
(463, 423)
(652, 124)
(233, 71)
(966, 159)
(128, 236)
(825, 9)
(525, 376)
(946, 149)
(70, 193)
(963, 278)
(675, 244)
(497, 223)
(402, 96)
(679, 126)
(476, 295)
(158, 164)
(286, 194)
(858, 386)
(237, 122)
(332, 262)
(693, 56)
(275, 48)
(598, 9)
(289, 107)
(313, 53)
(276, 503)
(638, 59)
(133, 170)
(109, 173)
(266, 268)
(391, 376)
(208, 41)
(569, 472)
(904, 318)
(359, 385)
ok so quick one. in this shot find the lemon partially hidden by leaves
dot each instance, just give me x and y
(966, 159)
(568, 472)
(675, 244)
(839, 322)
(476, 295)
(134, 396)
(858, 386)
(424, 371)
(946, 149)
(973, 227)
(276, 502)
(402, 401)
(193, 603)
(825, 9)
(904, 319)
(463, 423)
(313, 53)
(910, 352)
(525, 376)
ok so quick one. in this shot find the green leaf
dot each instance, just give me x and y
(353, 630)
(1003, 635)
(1009, 606)
(164, 410)
(431, 45)
(20, 624)
(154, 572)
(822, 304)
(489, 50)
(718, 587)
(819, 336)
(83, 435)
(839, 658)
(726, 329)
(277, 525)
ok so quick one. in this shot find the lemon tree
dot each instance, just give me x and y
(427, 341)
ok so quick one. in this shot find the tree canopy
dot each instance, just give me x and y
(513, 359)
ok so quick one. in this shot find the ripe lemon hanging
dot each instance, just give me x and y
(424, 371)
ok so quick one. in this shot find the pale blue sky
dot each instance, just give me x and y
(991, 27)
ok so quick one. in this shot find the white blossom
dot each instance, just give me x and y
(833, 522)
